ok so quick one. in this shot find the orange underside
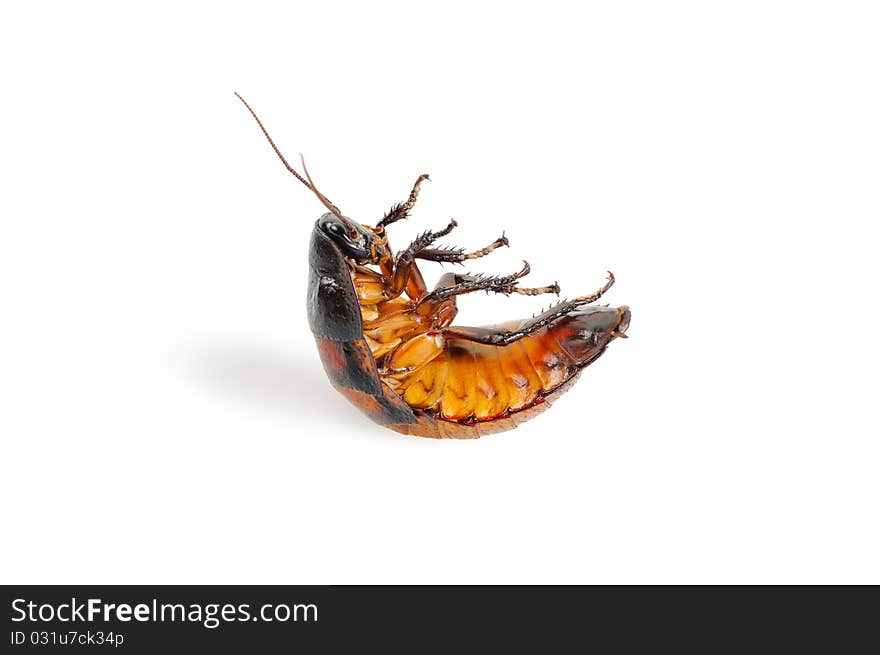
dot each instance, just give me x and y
(455, 379)
(430, 425)
(461, 380)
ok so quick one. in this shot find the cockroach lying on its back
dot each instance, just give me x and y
(388, 344)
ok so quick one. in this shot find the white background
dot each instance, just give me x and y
(164, 415)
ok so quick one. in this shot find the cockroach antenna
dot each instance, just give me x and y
(307, 182)
(329, 205)
(272, 143)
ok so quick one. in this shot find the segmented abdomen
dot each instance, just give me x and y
(460, 380)
(464, 382)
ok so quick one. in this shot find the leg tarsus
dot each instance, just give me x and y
(458, 255)
(593, 297)
(401, 211)
(537, 291)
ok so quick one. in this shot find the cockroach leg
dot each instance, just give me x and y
(502, 337)
(537, 291)
(405, 259)
(401, 211)
(424, 240)
(452, 285)
(444, 316)
(583, 300)
(458, 255)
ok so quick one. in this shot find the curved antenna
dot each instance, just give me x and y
(329, 205)
(309, 184)
(272, 143)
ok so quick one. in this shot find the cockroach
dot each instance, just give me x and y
(388, 344)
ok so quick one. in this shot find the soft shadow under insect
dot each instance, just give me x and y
(273, 379)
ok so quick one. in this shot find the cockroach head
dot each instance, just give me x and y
(354, 241)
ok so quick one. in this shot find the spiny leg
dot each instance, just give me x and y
(401, 211)
(458, 255)
(424, 240)
(404, 262)
(503, 337)
(454, 285)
